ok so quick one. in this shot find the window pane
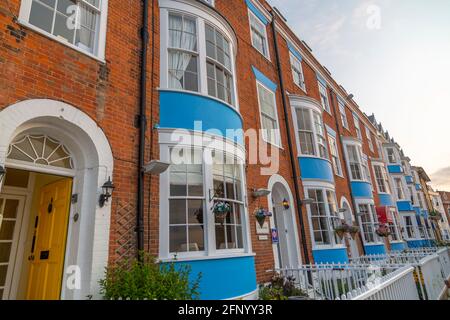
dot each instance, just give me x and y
(41, 16)
(196, 238)
(220, 237)
(195, 212)
(177, 212)
(178, 239)
(61, 28)
(7, 230)
(5, 249)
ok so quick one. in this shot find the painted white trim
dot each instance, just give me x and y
(88, 238)
(277, 179)
(277, 143)
(99, 43)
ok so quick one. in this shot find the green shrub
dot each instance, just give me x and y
(280, 288)
(149, 280)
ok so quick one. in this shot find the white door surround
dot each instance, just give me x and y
(286, 222)
(87, 238)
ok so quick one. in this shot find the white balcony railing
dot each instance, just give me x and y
(411, 275)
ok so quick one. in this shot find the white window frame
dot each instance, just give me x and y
(334, 155)
(101, 28)
(359, 163)
(299, 72)
(398, 188)
(414, 227)
(210, 251)
(381, 179)
(324, 98)
(264, 27)
(311, 112)
(373, 221)
(394, 226)
(369, 139)
(331, 233)
(277, 142)
(394, 156)
(357, 127)
(343, 114)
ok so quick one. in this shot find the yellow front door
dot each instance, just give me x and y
(49, 241)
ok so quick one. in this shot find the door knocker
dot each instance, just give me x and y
(50, 206)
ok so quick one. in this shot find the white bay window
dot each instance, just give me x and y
(197, 52)
(198, 179)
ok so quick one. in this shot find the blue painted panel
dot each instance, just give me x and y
(418, 187)
(420, 243)
(375, 249)
(418, 211)
(409, 179)
(404, 206)
(338, 255)
(224, 278)
(193, 112)
(294, 51)
(264, 80)
(425, 214)
(362, 189)
(395, 168)
(398, 246)
(386, 200)
(321, 80)
(316, 169)
(256, 12)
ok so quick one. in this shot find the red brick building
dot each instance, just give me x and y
(226, 94)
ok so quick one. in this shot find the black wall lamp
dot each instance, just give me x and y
(108, 188)
(2, 173)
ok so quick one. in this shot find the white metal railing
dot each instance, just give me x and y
(398, 285)
(444, 258)
(433, 279)
(331, 281)
(408, 275)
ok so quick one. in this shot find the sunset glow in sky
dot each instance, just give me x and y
(394, 56)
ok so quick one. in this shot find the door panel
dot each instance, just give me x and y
(49, 241)
(11, 211)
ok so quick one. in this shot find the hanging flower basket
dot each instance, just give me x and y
(353, 231)
(220, 211)
(341, 230)
(383, 231)
(261, 214)
(434, 215)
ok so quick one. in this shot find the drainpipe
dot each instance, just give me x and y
(334, 103)
(290, 145)
(142, 124)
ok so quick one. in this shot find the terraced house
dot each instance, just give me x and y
(129, 126)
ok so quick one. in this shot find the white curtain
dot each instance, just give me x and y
(183, 35)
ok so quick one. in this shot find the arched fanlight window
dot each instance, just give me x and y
(41, 150)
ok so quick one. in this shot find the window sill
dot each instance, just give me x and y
(278, 146)
(205, 257)
(328, 247)
(54, 38)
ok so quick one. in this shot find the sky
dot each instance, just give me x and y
(394, 56)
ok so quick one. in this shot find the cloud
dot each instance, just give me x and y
(441, 179)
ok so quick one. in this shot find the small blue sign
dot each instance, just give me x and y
(275, 238)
